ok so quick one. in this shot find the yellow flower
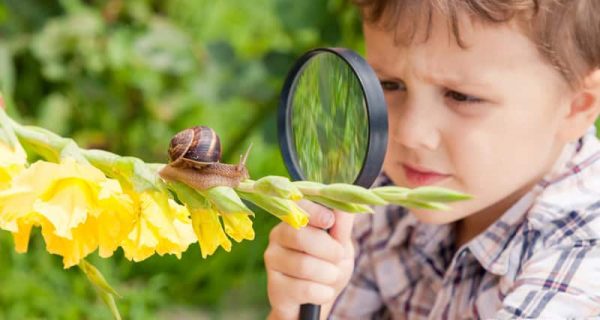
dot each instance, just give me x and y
(209, 231)
(114, 225)
(11, 163)
(72, 203)
(238, 226)
(233, 211)
(17, 215)
(206, 208)
(163, 227)
(296, 217)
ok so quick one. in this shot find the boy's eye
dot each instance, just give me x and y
(462, 98)
(392, 85)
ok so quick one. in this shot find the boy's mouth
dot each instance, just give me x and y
(421, 177)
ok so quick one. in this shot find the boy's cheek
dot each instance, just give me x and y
(394, 172)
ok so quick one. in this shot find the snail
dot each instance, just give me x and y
(194, 155)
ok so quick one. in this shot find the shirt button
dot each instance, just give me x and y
(461, 255)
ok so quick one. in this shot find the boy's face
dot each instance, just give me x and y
(486, 118)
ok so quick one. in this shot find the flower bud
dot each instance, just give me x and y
(309, 187)
(279, 187)
(107, 293)
(391, 193)
(343, 206)
(437, 194)
(226, 200)
(421, 205)
(350, 193)
(96, 277)
(286, 210)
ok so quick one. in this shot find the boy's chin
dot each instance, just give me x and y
(437, 217)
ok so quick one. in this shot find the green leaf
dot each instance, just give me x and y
(7, 72)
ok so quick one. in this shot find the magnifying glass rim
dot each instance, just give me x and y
(376, 113)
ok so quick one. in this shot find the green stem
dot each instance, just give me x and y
(106, 162)
(46, 143)
(106, 292)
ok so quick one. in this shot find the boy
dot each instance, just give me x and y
(496, 99)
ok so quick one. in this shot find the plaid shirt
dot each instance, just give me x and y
(541, 259)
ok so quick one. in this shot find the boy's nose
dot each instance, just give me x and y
(415, 128)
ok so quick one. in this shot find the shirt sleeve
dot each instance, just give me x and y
(557, 283)
(361, 298)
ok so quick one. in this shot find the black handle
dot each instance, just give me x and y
(309, 311)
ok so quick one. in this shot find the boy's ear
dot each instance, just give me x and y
(584, 108)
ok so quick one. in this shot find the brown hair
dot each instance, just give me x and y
(567, 32)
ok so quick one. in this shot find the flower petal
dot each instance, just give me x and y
(76, 206)
(11, 163)
(209, 231)
(238, 226)
(162, 227)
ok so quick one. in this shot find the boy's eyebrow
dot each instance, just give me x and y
(445, 80)
(455, 81)
(380, 73)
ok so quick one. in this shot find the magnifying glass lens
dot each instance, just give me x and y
(332, 123)
(329, 120)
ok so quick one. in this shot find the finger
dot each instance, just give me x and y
(289, 314)
(300, 265)
(342, 228)
(309, 240)
(286, 294)
(319, 216)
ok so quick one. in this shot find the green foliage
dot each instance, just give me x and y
(335, 123)
(125, 76)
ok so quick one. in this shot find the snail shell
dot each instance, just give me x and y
(196, 147)
(195, 155)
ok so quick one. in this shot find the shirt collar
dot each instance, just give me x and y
(434, 244)
(492, 247)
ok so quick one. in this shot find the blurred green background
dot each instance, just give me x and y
(125, 75)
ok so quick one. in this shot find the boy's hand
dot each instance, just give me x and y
(309, 265)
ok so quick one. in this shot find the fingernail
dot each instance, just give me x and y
(327, 220)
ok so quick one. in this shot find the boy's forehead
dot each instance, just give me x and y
(500, 46)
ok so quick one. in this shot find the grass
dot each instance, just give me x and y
(329, 121)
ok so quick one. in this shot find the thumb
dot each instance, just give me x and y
(342, 228)
(319, 216)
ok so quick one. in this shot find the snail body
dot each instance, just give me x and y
(213, 175)
(194, 155)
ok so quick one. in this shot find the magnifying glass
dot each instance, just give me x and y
(332, 123)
